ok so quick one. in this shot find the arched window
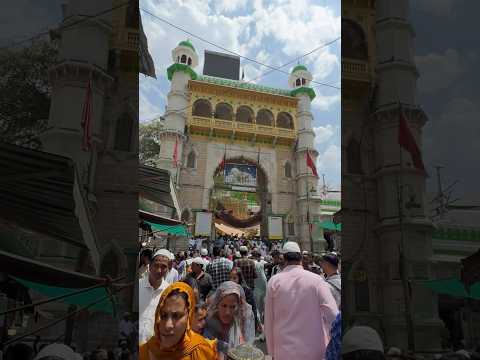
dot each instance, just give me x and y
(354, 43)
(244, 114)
(132, 15)
(189, 61)
(191, 159)
(110, 265)
(284, 120)
(223, 111)
(303, 81)
(354, 159)
(361, 289)
(288, 169)
(265, 117)
(178, 59)
(123, 133)
(185, 215)
(298, 83)
(202, 107)
(184, 59)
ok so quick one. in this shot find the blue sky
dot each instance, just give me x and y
(447, 57)
(273, 32)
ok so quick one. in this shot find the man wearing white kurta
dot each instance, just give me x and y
(150, 289)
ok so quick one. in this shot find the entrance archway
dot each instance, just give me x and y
(238, 199)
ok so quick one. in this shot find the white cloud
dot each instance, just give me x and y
(324, 102)
(323, 133)
(439, 71)
(229, 6)
(329, 160)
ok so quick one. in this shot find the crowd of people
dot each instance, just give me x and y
(226, 300)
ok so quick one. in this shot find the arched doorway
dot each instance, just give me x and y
(236, 200)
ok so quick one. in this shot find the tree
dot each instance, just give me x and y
(25, 92)
(149, 145)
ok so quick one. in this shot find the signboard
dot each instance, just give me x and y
(203, 224)
(241, 175)
(275, 227)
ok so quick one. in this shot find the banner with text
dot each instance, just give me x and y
(275, 227)
(241, 175)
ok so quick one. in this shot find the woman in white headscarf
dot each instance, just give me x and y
(56, 351)
(230, 319)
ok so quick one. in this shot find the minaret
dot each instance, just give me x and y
(401, 187)
(80, 59)
(172, 136)
(308, 204)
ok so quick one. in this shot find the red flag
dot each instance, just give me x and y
(175, 153)
(310, 163)
(222, 163)
(87, 118)
(407, 141)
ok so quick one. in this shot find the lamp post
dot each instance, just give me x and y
(313, 191)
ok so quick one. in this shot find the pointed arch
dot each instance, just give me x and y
(189, 61)
(288, 170)
(224, 111)
(361, 288)
(123, 132)
(183, 59)
(202, 107)
(114, 262)
(244, 114)
(265, 117)
(298, 82)
(191, 160)
(284, 120)
(186, 215)
(354, 41)
(354, 158)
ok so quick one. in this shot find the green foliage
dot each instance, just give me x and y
(25, 92)
(149, 142)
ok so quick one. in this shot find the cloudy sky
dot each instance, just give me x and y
(273, 32)
(447, 56)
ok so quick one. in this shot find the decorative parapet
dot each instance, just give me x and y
(304, 90)
(180, 67)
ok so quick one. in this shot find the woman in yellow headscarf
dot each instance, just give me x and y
(174, 338)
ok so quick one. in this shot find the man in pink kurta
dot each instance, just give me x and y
(299, 311)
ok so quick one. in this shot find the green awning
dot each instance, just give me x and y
(475, 291)
(179, 230)
(330, 225)
(82, 299)
(453, 287)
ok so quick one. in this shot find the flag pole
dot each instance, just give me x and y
(402, 256)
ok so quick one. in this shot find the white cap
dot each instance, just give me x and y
(243, 248)
(305, 252)
(61, 351)
(198, 260)
(204, 252)
(291, 247)
(361, 338)
(165, 253)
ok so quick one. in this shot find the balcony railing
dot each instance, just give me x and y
(355, 69)
(234, 126)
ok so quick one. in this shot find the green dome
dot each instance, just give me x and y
(299, 67)
(186, 43)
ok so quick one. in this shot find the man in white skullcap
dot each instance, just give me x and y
(172, 273)
(150, 289)
(204, 255)
(362, 343)
(299, 310)
(56, 351)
